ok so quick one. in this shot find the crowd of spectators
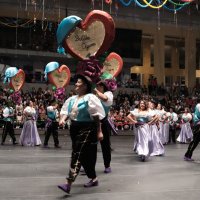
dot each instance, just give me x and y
(41, 98)
(123, 102)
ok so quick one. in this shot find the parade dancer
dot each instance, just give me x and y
(173, 118)
(52, 125)
(29, 135)
(143, 144)
(161, 121)
(8, 114)
(186, 131)
(166, 120)
(196, 131)
(85, 111)
(104, 93)
(158, 148)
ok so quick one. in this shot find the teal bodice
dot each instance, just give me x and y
(142, 119)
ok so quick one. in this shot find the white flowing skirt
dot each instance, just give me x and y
(143, 144)
(29, 135)
(165, 136)
(161, 132)
(158, 148)
(185, 133)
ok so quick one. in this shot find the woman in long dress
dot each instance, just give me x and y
(166, 118)
(186, 134)
(161, 117)
(142, 144)
(29, 135)
(158, 148)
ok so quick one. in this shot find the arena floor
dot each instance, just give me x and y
(34, 173)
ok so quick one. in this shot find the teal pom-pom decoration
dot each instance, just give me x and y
(54, 88)
(11, 91)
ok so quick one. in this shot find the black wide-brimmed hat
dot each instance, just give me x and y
(86, 79)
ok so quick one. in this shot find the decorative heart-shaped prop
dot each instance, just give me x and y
(113, 64)
(17, 81)
(91, 37)
(60, 77)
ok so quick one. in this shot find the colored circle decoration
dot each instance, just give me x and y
(108, 1)
(157, 6)
(171, 5)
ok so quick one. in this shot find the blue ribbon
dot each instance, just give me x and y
(9, 73)
(51, 66)
(64, 28)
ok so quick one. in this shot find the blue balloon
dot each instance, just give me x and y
(64, 28)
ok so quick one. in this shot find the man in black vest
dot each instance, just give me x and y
(8, 114)
(52, 125)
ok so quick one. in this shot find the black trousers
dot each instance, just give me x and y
(8, 129)
(194, 143)
(52, 129)
(105, 143)
(84, 149)
(172, 134)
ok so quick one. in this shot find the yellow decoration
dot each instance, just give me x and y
(155, 7)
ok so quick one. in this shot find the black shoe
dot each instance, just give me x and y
(143, 158)
(2, 143)
(14, 143)
(46, 146)
(57, 146)
(91, 183)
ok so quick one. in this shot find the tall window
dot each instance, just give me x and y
(169, 44)
(174, 52)
(181, 57)
(168, 56)
(152, 55)
(127, 44)
(168, 80)
(198, 54)
(180, 80)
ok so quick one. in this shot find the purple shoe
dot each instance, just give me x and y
(91, 183)
(107, 170)
(65, 187)
(188, 159)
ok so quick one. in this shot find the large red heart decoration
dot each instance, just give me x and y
(18, 80)
(91, 37)
(113, 64)
(60, 77)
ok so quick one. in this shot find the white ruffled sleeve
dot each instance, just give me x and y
(198, 107)
(50, 109)
(134, 112)
(6, 112)
(64, 109)
(109, 102)
(95, 107)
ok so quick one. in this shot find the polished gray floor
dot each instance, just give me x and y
(33, 173)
